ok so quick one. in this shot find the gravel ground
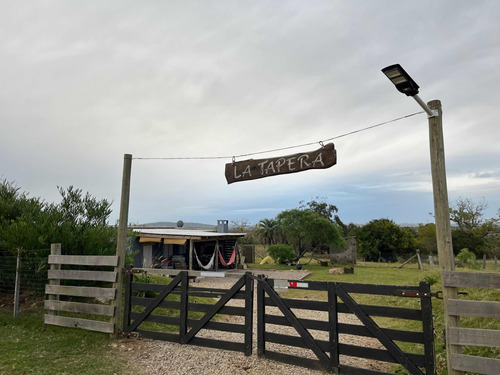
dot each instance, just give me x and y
(153, 357)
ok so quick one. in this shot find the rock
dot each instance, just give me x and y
(335, 271)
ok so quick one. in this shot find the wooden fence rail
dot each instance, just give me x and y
(482, 309)
(71, 305)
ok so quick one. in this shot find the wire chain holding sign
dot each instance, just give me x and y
(233, 157)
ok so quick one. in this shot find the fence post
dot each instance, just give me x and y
(261, 309)
(248, 313)
(496, 262)
(18, 284)
(484, 261)
(428, 328)
(183, 313)
(121, 246)
(419, 261)
(431, 262)
(333, 327)
(126, 307)
(55, 249)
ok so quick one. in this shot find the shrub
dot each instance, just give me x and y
(281, 253)
(467, 258)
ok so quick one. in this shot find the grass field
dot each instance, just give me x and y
(27, 346)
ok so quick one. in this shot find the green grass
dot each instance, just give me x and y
(29, 347)
(388, 274)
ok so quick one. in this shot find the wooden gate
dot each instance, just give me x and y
(171, 312)
(327, 343)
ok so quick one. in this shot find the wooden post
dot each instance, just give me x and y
(443, 227)
(18, 284)
(496, 262)
(216, 255)
(121, 246)
(55, 249)
(419, 261)
(191, 248)
(431, 262)
(484, 261)
(249, 286)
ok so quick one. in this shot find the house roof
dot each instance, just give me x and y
(185, 233)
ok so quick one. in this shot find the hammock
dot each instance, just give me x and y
(231, 260)
(209, 265)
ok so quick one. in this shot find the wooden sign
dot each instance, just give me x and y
(245, 170)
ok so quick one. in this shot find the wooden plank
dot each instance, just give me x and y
(382, 311)
(82, 275)
(349, 370)
(482, 309)
(378, 354)
(294, 360)
(471, 280)
(89, 325)
(474, 336)
(84, 260)
(85, 308)
(172, 337)
(218, 344)
(324, 157)
(295, 341)
(81, 291)
(488, 366)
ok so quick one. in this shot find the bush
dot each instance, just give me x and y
(281, 253)
(467, 258)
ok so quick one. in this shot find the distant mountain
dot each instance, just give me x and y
(171, 224)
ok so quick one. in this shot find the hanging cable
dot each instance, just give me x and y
(233, 157)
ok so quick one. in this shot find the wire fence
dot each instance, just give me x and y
(28, 270)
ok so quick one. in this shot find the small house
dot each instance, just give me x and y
(179, 248)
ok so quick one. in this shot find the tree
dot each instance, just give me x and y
(328, 211)
(473, 230)
(79, 222)
(383, 236)
(306, 230)
(426, 238)
(268, 231)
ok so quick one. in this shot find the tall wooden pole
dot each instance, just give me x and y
(121, 247)
(443, 227)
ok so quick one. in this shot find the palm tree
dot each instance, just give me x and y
(268, 231)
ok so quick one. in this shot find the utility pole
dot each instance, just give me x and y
(443, 227)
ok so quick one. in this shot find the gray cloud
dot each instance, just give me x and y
(84, 83)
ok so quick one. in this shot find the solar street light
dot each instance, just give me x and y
(406, 85)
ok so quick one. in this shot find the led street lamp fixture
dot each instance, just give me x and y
(403, 82)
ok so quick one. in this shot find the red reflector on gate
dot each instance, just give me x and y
(292, 284)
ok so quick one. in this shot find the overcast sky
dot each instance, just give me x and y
(85, 82)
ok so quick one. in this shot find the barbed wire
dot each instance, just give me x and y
(282, 148)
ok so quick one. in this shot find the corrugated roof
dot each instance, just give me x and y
(186, 233)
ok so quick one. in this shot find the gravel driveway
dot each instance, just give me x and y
(152, 357)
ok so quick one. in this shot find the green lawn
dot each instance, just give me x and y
(29, 347)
